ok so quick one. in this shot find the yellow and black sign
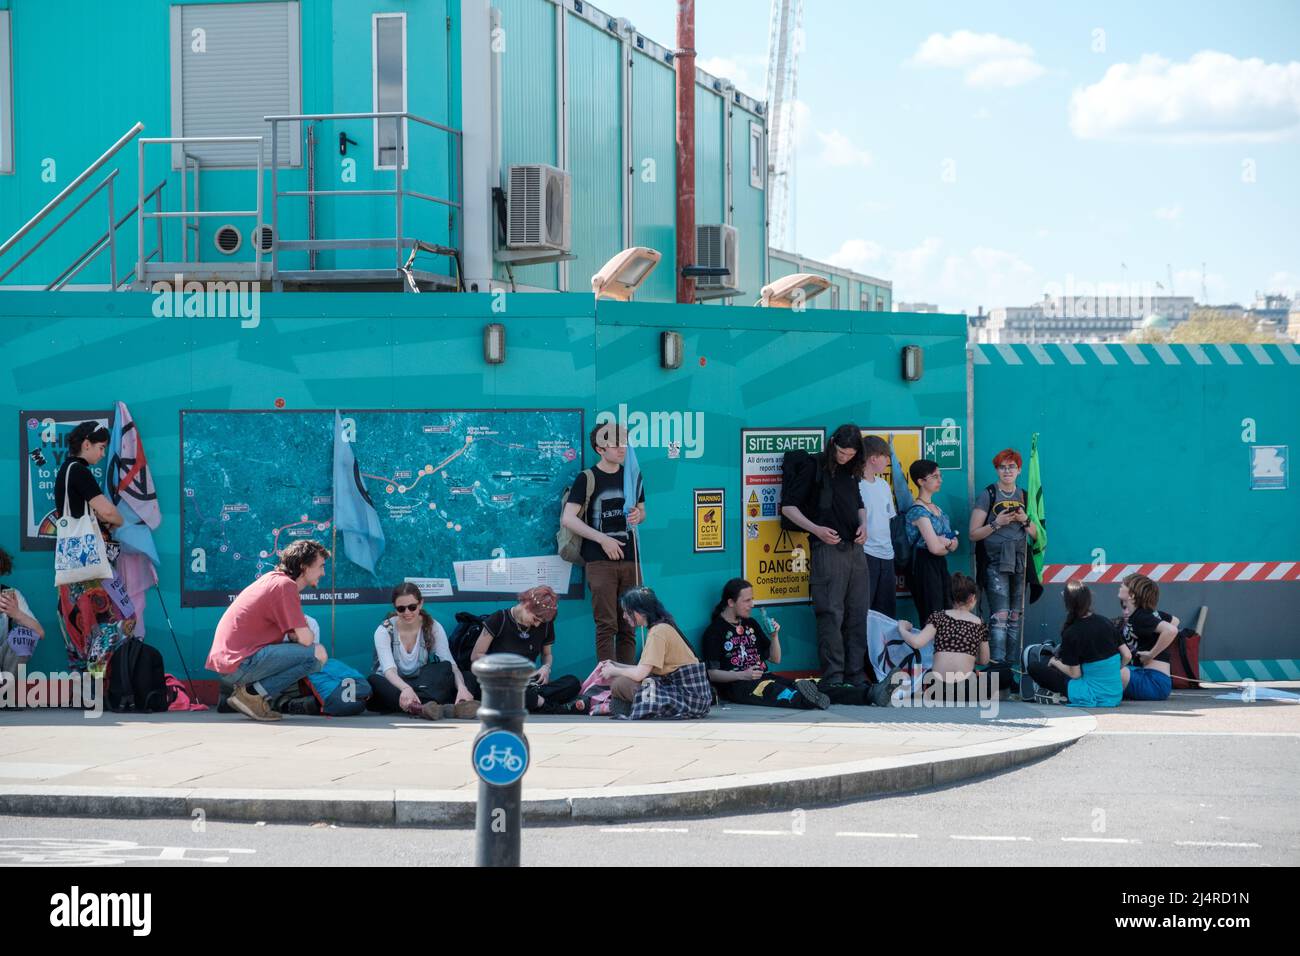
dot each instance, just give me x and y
(709, 513)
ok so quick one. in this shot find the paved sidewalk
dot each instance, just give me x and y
(403, 770)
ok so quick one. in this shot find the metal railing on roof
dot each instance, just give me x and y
(399, 242)
(107, 240)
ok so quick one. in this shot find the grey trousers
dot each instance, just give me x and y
(841, 596)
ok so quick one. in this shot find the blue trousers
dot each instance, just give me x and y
(276, 667)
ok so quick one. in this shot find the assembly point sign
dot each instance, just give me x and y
(774, 560)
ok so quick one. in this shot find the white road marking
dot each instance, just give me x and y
(1192, 733)
(1096, 840)
(882, 836)
(644, 830)
(1247, 846)
(1008, 839)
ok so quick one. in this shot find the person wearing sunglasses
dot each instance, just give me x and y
(414, 670)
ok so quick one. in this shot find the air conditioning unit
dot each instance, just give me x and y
(717, 246)
(539, 206)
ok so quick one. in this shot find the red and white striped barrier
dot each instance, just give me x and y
(1174, 573)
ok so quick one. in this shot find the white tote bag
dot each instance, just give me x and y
(79, 552)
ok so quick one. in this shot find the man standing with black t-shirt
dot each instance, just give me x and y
(838, 579)
(608, 545)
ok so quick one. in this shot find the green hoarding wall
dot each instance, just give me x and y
(742, 368)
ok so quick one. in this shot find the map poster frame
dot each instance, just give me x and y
(343, 594)
(761, 534)
(30, 471)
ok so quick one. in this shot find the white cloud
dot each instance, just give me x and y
(1169, 213)
(726, 68)
(1004, 73)
(1212, 97)
(964, 48)
(1287, 283)
(958, 280)
(838, 150)
(990, 61)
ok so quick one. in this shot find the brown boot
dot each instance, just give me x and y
(253, 706)
(465, 710)
(432, 711)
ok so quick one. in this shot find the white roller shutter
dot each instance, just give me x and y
(245, 64)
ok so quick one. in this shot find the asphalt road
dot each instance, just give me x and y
(1124, 799)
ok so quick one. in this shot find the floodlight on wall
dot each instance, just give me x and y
(494, 343)
(913, 363)
(670, 349)
(619, 277)
(794, 291)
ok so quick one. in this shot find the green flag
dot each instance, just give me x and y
(1037, 512)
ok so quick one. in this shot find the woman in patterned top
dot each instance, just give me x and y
(961, 642)
(737, 651)
(932, 538)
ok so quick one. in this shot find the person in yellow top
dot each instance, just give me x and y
(669, 680)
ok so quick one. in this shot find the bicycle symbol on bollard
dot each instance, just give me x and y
(500, 758)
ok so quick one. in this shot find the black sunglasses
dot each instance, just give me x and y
(407, 607)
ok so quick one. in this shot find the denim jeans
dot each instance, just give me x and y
(276, 667)
(1004, 591)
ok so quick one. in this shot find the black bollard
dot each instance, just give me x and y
(500, 755)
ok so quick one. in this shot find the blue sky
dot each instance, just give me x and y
(1075, 140)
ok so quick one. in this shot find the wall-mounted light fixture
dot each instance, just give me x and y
(494, 343)
(619, 277)
(792, 292)
(670, 349)
(913, 363)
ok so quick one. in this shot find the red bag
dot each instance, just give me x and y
(1185, 660)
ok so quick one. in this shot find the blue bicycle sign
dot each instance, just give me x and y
(500, 758)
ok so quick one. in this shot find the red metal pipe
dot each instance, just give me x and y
(684, 64)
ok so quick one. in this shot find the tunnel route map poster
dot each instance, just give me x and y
(468, 500)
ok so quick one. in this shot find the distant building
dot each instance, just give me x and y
(916, 307)
(1272, 314)
(1081, 319)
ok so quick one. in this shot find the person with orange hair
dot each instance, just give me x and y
(1000, 528)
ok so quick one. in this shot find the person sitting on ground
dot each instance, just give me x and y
(738, 650)
(1087, 668)
(961, 641)
(528, 629)
(1150, 634)
(14, 613)
(413, 668)
(932, 539)
(249, 646)
(668, 681)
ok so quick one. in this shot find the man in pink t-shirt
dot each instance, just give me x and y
(250, 648)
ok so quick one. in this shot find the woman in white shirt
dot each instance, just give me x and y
(414, 670)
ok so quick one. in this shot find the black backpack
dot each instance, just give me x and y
(793, 464)
(464, 637)
(136, 679)
(902, 545)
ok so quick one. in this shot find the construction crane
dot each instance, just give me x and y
(783, 47)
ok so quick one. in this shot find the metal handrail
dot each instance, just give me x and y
(107, 181)
(397, 192)
(184, 215)
(96, 247)
(85, 174)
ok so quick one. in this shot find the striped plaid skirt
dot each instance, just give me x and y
(682, 695)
